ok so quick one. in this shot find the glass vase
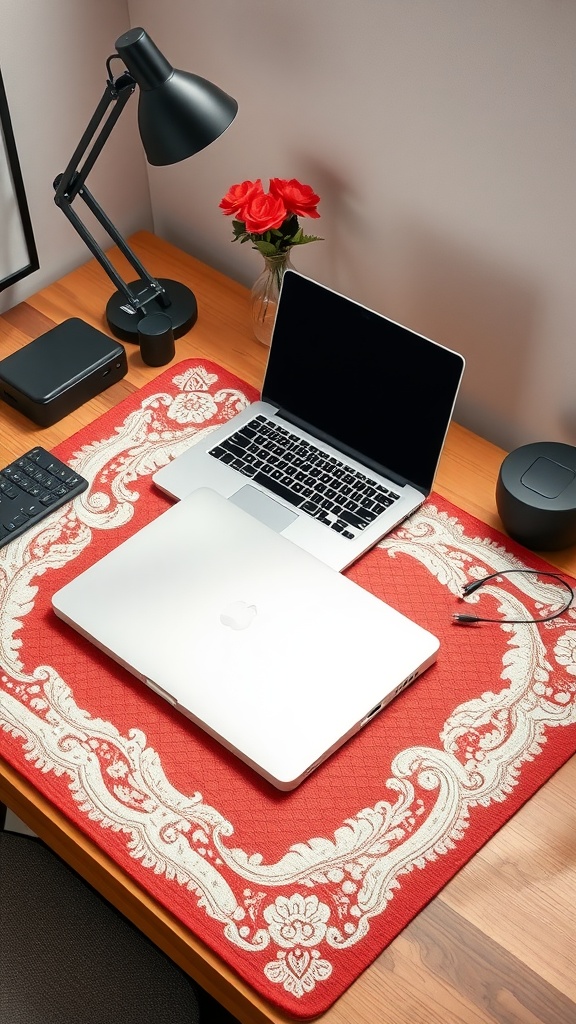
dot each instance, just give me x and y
(265, 292)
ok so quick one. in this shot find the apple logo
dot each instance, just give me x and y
(238, 615)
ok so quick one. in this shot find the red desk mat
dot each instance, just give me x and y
(298, 892)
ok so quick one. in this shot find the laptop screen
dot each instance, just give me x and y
(380, 392)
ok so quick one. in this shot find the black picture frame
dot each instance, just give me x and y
(24, 260)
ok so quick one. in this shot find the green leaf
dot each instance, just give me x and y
(301, 239)
(239, 230)
(266, 248)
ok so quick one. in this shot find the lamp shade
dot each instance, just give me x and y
(178, 113)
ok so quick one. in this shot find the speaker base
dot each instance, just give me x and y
(536, 495)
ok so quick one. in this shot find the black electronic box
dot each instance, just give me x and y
(59, 371)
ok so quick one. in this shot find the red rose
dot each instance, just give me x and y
(262, 212)
(238, 195)
(297, 198)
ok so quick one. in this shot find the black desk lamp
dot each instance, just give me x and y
(178, 115)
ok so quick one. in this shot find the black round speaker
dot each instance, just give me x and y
(536, 495)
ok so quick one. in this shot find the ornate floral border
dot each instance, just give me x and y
(301, 913)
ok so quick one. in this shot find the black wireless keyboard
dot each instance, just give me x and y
(32, 487)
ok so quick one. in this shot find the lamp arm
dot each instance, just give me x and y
(157, 291)
(70, 184)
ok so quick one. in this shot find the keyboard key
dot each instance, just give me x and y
(18, 520)
(226, 457)
(353, 519)
(32, 487)
(278, 488)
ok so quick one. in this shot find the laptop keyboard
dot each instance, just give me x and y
(306, 477)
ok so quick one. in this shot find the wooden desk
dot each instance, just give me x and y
(497, 944)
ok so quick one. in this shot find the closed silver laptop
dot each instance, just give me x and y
(278, 657)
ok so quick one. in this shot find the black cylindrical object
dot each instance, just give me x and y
(536, 495)
(156, 339)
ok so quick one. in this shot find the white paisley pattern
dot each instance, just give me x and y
(275, 909)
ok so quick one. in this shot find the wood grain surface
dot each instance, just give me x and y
(497, 946)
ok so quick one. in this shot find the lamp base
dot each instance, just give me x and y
(123, 320)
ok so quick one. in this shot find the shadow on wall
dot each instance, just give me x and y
(453, 295)
(353, 258)
(568, 423)
(438, 286)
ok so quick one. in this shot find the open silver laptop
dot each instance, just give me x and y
(346, 440)
(279, 657)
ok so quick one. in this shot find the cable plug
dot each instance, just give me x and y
(471, 587)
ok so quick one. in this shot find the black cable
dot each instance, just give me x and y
(465, 619)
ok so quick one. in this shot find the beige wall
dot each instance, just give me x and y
(440, 136)
(53, 59)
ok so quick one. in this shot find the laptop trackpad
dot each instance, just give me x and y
(259, 505)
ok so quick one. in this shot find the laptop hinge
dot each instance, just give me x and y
(339, 446)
